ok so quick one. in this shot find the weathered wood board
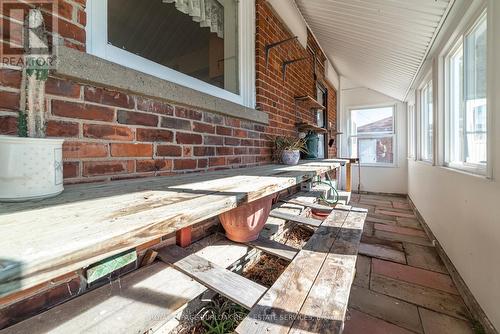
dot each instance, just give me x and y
(295, 218)
(274, 248)
(87, 223)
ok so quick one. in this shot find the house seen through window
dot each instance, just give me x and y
(372, 136)
(199, 39)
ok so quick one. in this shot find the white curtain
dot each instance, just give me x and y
(209, 13)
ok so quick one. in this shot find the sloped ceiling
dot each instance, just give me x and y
(380, 44)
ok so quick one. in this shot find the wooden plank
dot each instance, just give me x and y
(274, 248)
(348, 177)
(139, 302)
(326, 304)
(314, 206)
(229, 284)
(277, 309)
(39, 244)
(294, 218)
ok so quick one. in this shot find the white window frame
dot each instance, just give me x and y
(473, 168)
(97, 44)
(393, 135)
(428, 81)
(412, 131)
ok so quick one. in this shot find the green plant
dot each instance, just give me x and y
(221, 316)
(288, 143)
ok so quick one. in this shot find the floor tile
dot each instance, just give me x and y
(361, 323)
(386, 308)
(402, 238)
(414, 275)
(401, 230)
(438, 323)
(409, 222)
(382, 252)
(436, 300)
(396, 245)
(363, 268)
(394, 213)
(401, 205)
(424, 257)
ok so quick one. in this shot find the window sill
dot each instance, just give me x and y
(88, 68)
(466, 172)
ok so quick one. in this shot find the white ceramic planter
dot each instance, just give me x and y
(289, 157)
(30, 168)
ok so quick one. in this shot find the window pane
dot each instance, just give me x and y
(199, 40)
(456, 125)
(475, 94)
(375, 120)
(373, 150)
(427, 122)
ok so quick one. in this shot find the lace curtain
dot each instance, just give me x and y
(209, 13)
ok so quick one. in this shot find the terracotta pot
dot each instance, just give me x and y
(244, 223)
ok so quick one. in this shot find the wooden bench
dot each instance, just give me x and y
(88, 223)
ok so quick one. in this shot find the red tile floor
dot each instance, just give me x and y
(401, 284)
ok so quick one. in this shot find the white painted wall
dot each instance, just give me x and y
(463, 210)
(375, 179)
(292, 18)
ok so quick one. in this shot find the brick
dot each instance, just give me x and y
(433, 299)
(131, 150)
(225, 151)
(224, 131)
(401, 230)
(233, 160)
(363, 268)
(213, 118)
(66, 88)
(110, 132)
(361, 323)
(136, 118)
(182, 164)
(188, 138)
(402, 238)
(409, 222)
(82, 111)
(8, 125)
(169, 151)
(240, 150)
(108, 97)
(62, 129)
(202, 163)
(72, 31)
(386, 308)
(71, 169)
(438, 323)
(424, 257)
(213, 140)
(204, 151)
(414, 275)
(9, 100)
(218, 161)
(175, 123)
(239, 133)
(153, 165)
(82, 17)
(188, 113)
(187, 151)
(235, 123)
(155, 135)
(203, 127)
(96, 168)
(232, 141)
(78, 150)
(10, 78)
(382, 252)
(65, 9)
(153, 106)
(389, 212)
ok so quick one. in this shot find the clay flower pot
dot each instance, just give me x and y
(244, 223)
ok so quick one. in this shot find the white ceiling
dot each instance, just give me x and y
(380, 44)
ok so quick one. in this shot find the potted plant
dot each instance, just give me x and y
(288, 149)
(31, 165)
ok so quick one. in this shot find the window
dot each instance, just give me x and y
(197, 44)
(411, 131)
(372, 135)
(427, 121)
(466, 128)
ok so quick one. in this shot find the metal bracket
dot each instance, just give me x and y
(269, 47)
(289, 62)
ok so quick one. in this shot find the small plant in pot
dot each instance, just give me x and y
(31, 165)
(288, 149)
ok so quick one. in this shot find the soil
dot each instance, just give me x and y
(298, 236)
(266, 270)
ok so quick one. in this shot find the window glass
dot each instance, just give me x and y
(466, 109)
(197, 38)
(372, 135)
(427, 118)
(411, 131)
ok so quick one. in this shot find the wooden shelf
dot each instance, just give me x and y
(305, 127)
(308, 102)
